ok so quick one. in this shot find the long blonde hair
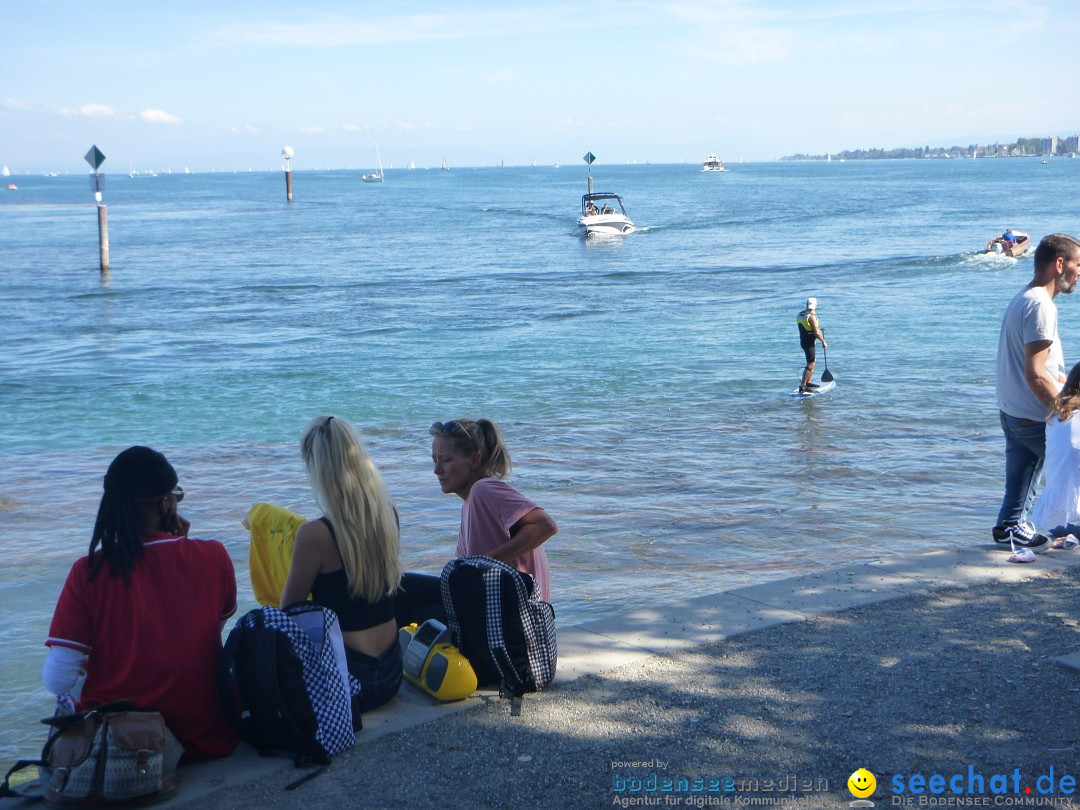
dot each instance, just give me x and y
(1068, 400)
(351, 492)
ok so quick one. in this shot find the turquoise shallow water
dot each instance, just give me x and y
(642, 383)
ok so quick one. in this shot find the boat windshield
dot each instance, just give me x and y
(593, 204)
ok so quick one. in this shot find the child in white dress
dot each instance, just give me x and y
(1058, 509)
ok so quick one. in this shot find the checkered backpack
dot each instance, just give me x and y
(285, 685)
(500, 623)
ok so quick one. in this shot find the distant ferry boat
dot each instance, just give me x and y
(713, 164)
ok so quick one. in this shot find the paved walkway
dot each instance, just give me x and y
(773, 693)
(953, 663)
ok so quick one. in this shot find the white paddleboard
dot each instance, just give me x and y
(829, 386)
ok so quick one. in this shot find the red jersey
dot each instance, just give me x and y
(157, 639)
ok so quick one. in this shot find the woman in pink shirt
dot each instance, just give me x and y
(496, 520)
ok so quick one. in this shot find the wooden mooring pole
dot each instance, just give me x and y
(103, 235)
(287, 153)
(95, 157)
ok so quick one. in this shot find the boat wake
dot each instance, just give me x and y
(989, 261)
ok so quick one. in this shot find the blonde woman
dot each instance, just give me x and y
(1058, 508)
(348, 560)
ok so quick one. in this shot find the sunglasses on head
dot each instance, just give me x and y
(450, 428)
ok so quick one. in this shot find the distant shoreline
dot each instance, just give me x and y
(1022, 147)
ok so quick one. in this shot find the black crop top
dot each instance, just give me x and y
(353, 612)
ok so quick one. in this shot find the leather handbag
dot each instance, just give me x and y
(111, 755)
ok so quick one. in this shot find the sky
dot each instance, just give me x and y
(226, 85)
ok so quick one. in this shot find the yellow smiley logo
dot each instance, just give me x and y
(862, 783)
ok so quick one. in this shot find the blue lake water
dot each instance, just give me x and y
(642, 383)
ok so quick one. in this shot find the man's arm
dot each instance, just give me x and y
(1038, 377)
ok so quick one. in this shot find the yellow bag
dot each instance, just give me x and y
(273, 534)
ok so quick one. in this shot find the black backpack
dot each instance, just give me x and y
(283, 686)
(500, 623)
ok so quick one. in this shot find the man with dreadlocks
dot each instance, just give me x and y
(141, 615)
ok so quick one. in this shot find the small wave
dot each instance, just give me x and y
(565, 316)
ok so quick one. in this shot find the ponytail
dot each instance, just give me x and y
(495, 457)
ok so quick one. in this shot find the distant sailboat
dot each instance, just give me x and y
(445, 165)
(412, 165)
(6, 172)
(828, 157)
(377, 175)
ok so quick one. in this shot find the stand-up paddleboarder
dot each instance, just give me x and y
(809, 333)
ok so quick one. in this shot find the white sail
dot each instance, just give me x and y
(377, 175)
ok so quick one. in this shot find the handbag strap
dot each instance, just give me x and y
(5, 789)
(61, 722)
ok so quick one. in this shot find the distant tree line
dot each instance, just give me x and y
(1021, 148)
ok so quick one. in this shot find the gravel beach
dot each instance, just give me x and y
(954, 681)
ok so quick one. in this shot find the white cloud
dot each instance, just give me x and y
(351, 128)
(18, 104)
(159, 117)
(91, 111)
(313, 130)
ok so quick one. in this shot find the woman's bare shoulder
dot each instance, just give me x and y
(314, 537)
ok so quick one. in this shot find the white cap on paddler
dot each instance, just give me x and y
(811, 303)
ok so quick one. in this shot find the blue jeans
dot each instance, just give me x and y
(1025, 447)
(379, 676)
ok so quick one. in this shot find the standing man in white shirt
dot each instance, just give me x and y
(1030, 372)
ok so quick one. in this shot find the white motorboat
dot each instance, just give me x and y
(377, 175)
(713, 164)
(603, 213)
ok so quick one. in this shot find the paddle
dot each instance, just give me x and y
(826, 375)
